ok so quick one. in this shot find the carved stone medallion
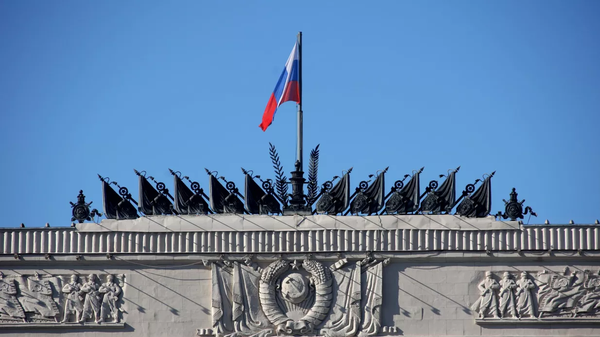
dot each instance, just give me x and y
(294, 288)
(305, 303)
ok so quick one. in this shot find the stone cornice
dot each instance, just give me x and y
(303, 235)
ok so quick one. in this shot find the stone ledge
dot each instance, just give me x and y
(527, 321)
(24, 325)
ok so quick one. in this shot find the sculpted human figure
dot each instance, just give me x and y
(39, 299)
(91, 304)
(590, 302)
(9, 305)
(507, 296)
(111, 291)
(543, 279)
(73, 299)
(487, 304)
(563, 293)
(524, 295)
(577, 291)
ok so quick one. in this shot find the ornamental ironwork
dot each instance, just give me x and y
(272, 196)
(81, 209)
(513, 208)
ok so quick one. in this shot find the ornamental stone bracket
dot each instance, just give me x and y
(297, 297)
(60, 301)
(546, 297)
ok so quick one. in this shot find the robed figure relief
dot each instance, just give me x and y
(111, 291)
(91, 304)
(73, 299)
(525, 305)
(9, 305)
(550, 296)
(565, 292)
(37, 299)
(507, 296)
(590, 302)
(487, 304)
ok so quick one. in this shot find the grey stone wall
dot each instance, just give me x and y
(400, 276)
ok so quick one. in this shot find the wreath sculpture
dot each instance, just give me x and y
(320, 278)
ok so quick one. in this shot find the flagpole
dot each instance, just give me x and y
(297, 203)
(300, 113)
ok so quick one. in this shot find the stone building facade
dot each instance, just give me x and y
(321, 275)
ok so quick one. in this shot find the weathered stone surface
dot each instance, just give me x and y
(319, 276)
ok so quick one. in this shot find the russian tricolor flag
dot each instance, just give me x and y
(287, 88)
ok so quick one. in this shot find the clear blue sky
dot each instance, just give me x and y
(91, 87)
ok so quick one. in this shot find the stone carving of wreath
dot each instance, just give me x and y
(296, 291)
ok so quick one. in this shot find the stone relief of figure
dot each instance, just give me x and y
(507, 296)
(37, 299)
(91, 304)
(564, 293)
(525, 305)
(590, 301)
(73, 299)
(111, 291)
(487, 304)
(577, 291)
(28, 299)
(543, 279)
(9, 305)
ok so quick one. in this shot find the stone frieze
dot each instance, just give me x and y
(61, 300)
(541, 296)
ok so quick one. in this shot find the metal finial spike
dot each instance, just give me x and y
(458, 168)
(244, 171)
(172, 172)
(207, 171)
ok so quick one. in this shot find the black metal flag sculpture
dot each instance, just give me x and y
(256, 200)
(273, 197)
(369, 198)
(479, 204)
(407, 198)
(115, 206)
(186, 201)
(335, 200)
(152, 202)
(223, 200)
(441, 199)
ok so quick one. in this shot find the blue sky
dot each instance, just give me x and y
(91, 87)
